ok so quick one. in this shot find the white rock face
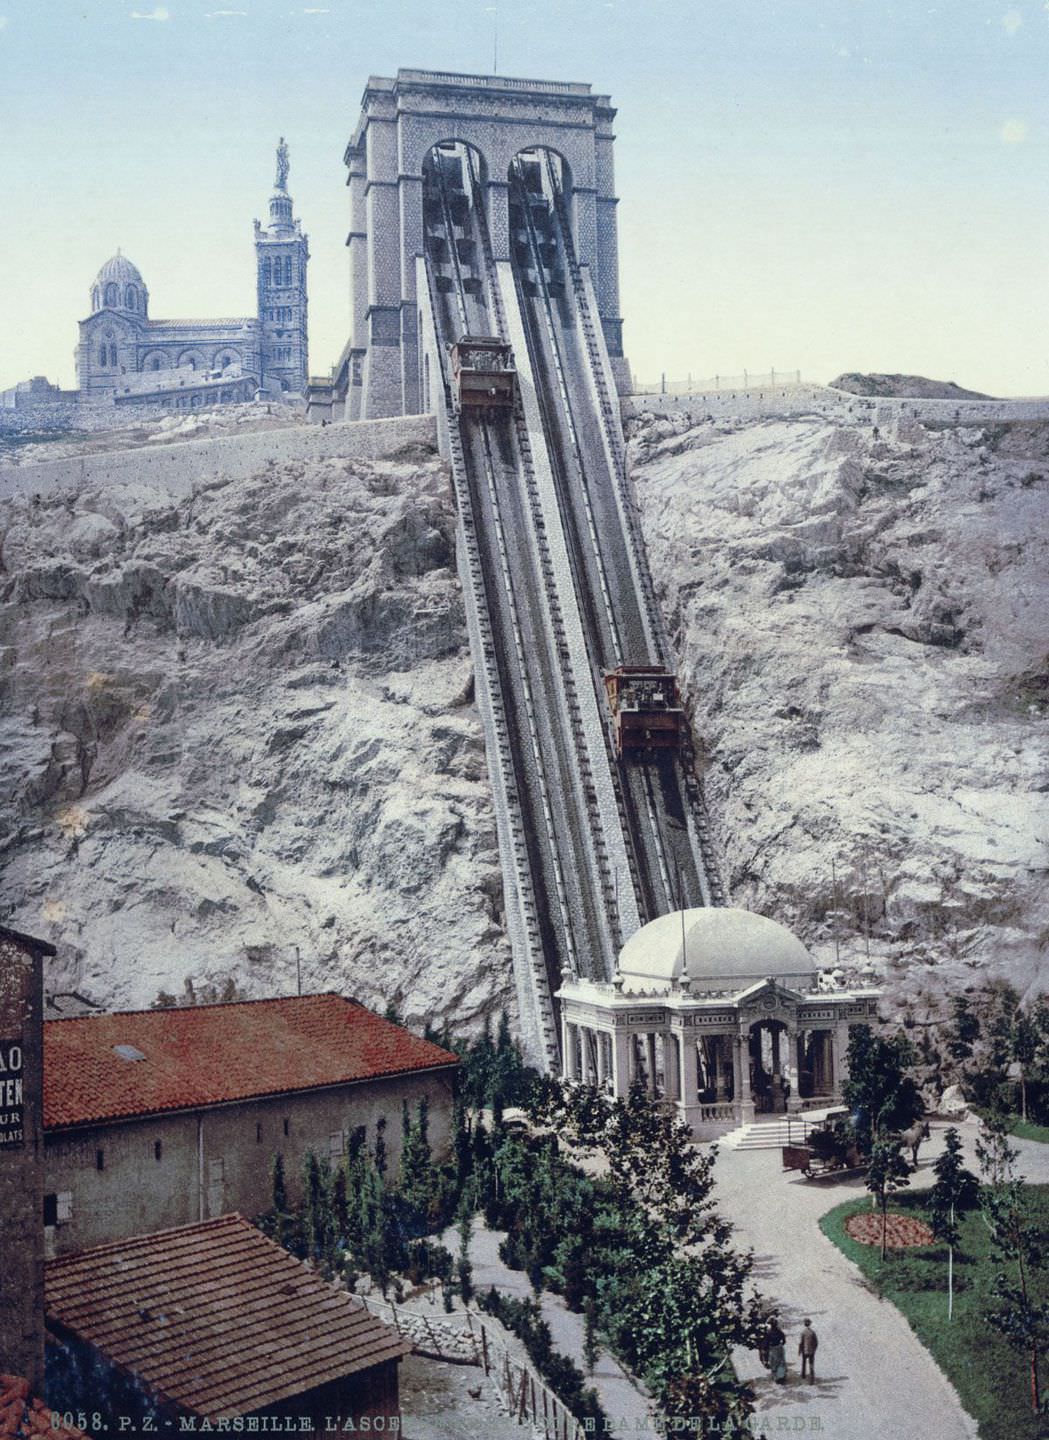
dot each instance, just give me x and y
(861, 620)
(241, 726)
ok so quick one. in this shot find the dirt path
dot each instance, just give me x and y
(872, 1374)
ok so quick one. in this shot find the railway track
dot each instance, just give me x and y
(558, 836)
(544, 638)
(664, 813)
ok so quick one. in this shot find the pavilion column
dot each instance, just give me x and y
(689, 1089)
(823, 1051)
(621, 1043)
(601, 1071)
(838, 1044)
(650, 1062)
(790, 1068)
(741, 1071)
(566, 1048)
(720, 1088)
(577, 1053)
(671, 1066)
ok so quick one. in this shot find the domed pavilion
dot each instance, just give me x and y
(722, 1012)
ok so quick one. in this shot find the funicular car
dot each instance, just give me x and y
(483, 374)
(646, 709)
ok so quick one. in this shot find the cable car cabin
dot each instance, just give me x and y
(646, 709)
(482, 374)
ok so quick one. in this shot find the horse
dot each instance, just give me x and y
(913, 1137)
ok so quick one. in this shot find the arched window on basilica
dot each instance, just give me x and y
(131, 298)
(113, 356)
(112, 294)
(267, 271)
(101, 354)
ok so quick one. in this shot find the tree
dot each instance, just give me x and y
(1017, 1315)
(380, 1145)
(956, 1191)
(887, 1172)
(655, 1254)
(878, 1090)
(280, 1199)
(279, 1185)
(464, 1266)
(417, 1178)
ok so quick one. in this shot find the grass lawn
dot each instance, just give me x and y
(990, 1378)
(1028, 1130)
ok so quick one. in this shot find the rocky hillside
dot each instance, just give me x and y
(239, 730)
(910, 387)
(861, 620)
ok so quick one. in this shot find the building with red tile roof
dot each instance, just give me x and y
(160, 1118)
(24, 1414)
(214, 1321)
(147, 1062)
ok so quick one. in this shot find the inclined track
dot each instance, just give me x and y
(559, 855)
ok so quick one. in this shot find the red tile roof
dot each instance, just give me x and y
(22, 1414)
(213, 1054)
(215, 1318)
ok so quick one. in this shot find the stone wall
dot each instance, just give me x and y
(796, 400)
(224, 1165)
(181, 469)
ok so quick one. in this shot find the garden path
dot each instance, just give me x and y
(873, 1376)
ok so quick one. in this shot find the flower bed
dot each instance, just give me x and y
(901, 1231)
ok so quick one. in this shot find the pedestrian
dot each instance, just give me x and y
(807, 1349)
(776, 1349)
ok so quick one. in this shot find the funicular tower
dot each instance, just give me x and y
(402, 119)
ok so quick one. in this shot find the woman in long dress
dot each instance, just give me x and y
(776, 1350)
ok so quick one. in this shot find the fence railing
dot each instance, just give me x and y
(523, 1392)
(700, 385)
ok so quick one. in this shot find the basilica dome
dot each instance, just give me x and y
(119, 286)
(718, 948)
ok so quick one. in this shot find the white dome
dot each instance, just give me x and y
(717, 948)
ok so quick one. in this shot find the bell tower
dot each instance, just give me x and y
(282, 253)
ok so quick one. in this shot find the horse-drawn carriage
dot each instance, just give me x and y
(832, 1148)
(829, 1149)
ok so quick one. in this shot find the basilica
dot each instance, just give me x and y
(126, 357)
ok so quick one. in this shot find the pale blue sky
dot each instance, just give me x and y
(813, 184)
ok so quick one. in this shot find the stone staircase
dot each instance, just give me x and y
(772, 1131)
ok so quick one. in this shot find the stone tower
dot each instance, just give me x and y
(282, 253)
(498, 117)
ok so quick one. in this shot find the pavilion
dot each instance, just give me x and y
(721, 1012)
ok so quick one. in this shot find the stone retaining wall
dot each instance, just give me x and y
(822, 400)
(182, 468)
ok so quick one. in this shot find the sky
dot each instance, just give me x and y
(813, 185)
